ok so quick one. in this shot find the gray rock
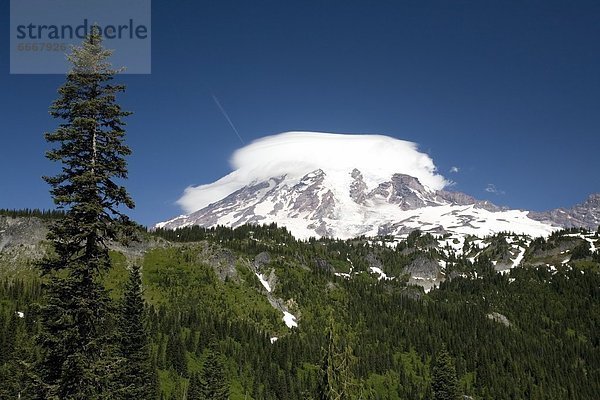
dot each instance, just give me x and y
(223, 261)
(358, 187)
(21, 231)
(462, 199)
(22, 242)
(262, 259)
(373, 261)
(424, 268)
(495, 316)
(584, 215)
(324, 265)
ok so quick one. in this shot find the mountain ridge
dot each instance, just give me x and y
(348, 185)
(342, 205)
(582, 215)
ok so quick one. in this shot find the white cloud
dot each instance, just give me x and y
(491, 188)
(297, 153)
(454, 170)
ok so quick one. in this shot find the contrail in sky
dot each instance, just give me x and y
(227, 118)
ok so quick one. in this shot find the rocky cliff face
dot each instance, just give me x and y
(21, 232)
(21, 242)
(585, 215)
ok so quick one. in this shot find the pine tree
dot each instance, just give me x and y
(444, 383)
(175, 352)
(195, 388)
(336, 373)
(327, 385)
(214, 383)
(154, 379)
(161, 362)
(77, 318)
(136, 375)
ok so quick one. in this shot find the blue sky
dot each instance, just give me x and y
(508, 92)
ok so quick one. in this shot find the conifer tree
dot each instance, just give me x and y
(336, 374)
(161, 362)
(136, 375)
(175, 352)
(195, 388)
(444, 383)
(76, 320)
(327, 384)
(213, 380)
(154, 379)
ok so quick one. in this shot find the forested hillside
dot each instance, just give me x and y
(216, 301)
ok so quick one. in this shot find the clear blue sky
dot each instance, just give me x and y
(507, 91)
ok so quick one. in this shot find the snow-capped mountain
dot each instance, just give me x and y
(342, 205)
(320, 184)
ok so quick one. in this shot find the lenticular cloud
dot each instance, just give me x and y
(295, 154)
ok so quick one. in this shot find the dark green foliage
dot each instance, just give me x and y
(267, 234)
(444, 382)
(412, 238)
(398, 329)
(14, 346)
(214, 384)
(76, 337)
(329, 382)
(581, 251)
(336, 369)
(137, 372)
(175, 352)
(89, 145)
(195, 388)
(27, 212)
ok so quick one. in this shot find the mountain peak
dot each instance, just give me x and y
(338, 203)
(346, 185)
(295, 154)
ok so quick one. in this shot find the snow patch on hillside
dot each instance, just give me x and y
(264, 282)
(289, 320)
(381, 274)
(517, 261)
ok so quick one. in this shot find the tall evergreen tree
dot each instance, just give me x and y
(327, 384)
(336, 369)
(194, 391)
(444, 382)
(175, 352)
(136, 375)
(76, 337)
(213, 380)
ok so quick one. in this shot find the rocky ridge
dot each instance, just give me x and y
(343, 205)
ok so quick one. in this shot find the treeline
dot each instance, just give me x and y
(268, 233)
(32, 212)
